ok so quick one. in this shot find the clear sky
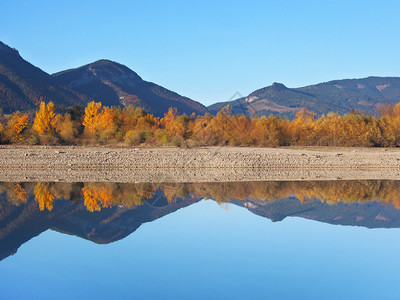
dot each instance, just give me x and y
(208, 50)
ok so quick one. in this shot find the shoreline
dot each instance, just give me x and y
(208, 164)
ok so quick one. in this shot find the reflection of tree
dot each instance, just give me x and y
(16, 194)
(44, 195)
(331, 192)
(132, 195)
(96, 197)
(20, 193)
(100, 195)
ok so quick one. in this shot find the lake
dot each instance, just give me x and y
(243, 240)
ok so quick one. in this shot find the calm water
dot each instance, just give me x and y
(277, 240)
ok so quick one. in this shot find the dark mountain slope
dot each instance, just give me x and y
(114, 84)
(23, 86)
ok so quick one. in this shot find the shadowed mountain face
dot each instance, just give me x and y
(339, 96)
(107, 212)
(115, 84)
(23, 86)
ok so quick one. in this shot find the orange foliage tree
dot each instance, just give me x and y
(44, 120)
(66, 128)
(92, 118)
(17, 124)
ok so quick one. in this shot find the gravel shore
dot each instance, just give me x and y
(84, 164)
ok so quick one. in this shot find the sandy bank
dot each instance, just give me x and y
(85, 164)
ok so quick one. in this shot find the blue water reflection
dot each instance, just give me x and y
(204, 251)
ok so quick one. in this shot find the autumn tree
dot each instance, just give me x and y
(221, 125)
(138, 126)
(44, 120)
(270, 131)
(203, 131)
(17, 124)
(92, 118)
(390, 129)
(302, 127)
(241, 128)
(66, 128)
(175, 127)
(107, 127)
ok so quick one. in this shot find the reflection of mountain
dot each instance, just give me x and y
(107, 212)
(18, 224)
(369, 214)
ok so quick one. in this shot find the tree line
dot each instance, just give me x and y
(133, 126)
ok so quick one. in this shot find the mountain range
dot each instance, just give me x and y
(338, 96)
(23, 86)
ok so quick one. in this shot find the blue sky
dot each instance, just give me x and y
(208, 50)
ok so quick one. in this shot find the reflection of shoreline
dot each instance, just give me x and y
(96, 196)
(107, 212)
(97, 164)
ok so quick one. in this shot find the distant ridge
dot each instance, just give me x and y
(339, 96)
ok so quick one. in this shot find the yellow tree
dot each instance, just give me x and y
(108, 122)
(92, 117)
(66, 128)
(172, 127)
(44, 120)
(17, 123)
(302, 127)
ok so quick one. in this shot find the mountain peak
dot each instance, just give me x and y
(102, 70)
(278, 86)
(106, 63)
(8, 49)
(107, 68)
